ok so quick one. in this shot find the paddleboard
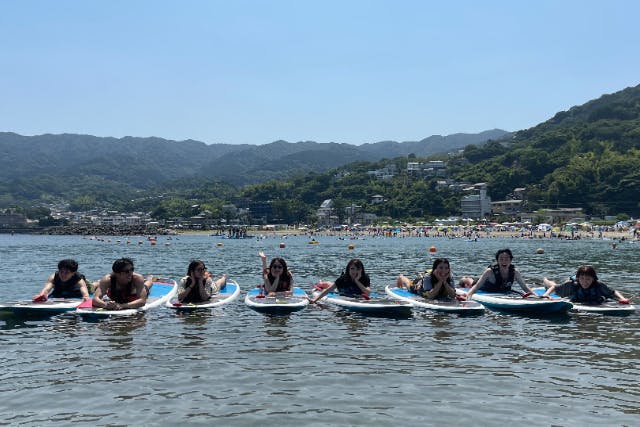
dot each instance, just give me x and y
(279, 304)
(444, 305)
(376, 304)
(609, 307)
(162, 290)
(51, 306)
(227, 294)
(515, 303)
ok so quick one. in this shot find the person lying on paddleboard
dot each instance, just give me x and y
(353, 282)
(585, 288)
(122, 288)
(64, 283)
(499, 278)
(466, 282)
(437, 284)
(197, 285)
(277, 277)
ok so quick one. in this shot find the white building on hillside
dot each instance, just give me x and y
(476, 205)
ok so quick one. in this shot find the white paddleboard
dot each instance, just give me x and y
(51, 306)
(443, 305)
(161, 291)
(376, 304)
(609, 307)
(280, 304)
(516, 303)
(229, 293)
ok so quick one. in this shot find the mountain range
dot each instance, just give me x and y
(146, 162)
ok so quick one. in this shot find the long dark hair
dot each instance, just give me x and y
(285, 277)
(436, 263)
(193, 265)
(358, 264)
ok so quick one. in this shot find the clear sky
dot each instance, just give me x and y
(353, 71)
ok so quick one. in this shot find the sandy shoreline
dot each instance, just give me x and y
(612, 235)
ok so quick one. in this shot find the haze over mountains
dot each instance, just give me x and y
(145, 162)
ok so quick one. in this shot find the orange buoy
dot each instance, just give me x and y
(219, 244)
(351, 246)
(282, 245)
(432, 249)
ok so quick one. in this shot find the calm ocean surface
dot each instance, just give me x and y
(321, 366)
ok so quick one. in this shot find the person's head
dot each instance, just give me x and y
(196, 267)
(67, 268)
(441, 270)
(504, 256)
(586, 276)
(122, 267)
(465, 282)
(70, 265)
(278, 268)
(354, 266)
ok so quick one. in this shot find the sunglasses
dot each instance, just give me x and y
(276, 266)
(200, 269)
(127, 271)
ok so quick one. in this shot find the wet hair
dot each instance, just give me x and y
(436, 263)
(356, 263)
(504, 251)
(68, 264)
(193, 265)
(120, 264)
(586, 270)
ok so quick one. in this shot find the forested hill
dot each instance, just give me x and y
(588, 156)
(145, 162)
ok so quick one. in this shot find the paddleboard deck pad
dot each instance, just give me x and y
(162, 290)
(229, 293)
(279, 304)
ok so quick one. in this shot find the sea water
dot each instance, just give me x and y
(321, 366)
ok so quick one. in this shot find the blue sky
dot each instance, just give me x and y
(253, 72)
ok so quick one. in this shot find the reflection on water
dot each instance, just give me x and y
(322, 365)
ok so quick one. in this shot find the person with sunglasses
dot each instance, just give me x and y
(122, 288)
(276, 277)
(64, 283)
(197, 285)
